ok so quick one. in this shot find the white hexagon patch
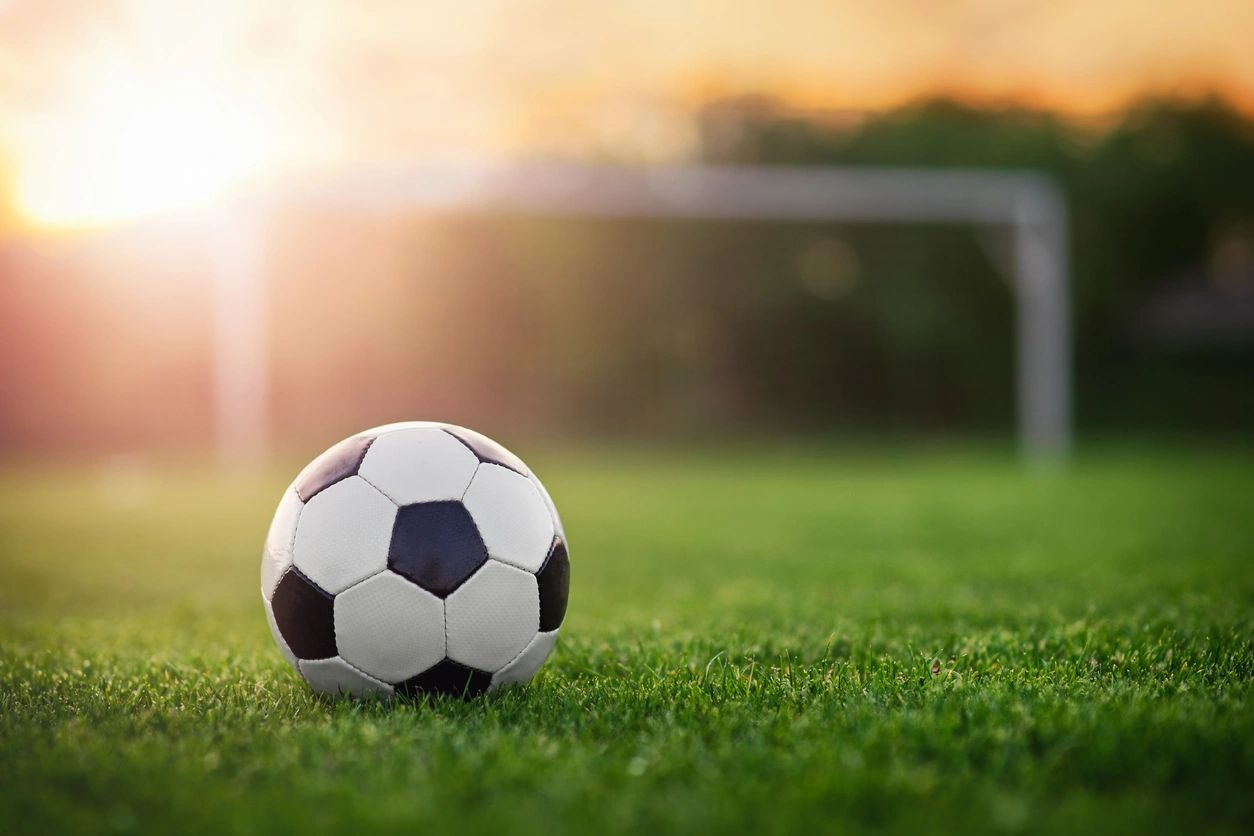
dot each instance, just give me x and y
(528, 662)
(276, 555)
(548, 503)
(419, 464)
(343, 534)
(492, 617)
(511, 515)
(389, 628)
(334, 677)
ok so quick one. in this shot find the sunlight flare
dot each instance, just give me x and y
(137, 147)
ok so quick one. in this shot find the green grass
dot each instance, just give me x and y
(766, 641)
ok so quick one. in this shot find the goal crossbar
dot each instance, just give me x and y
(1025, 203)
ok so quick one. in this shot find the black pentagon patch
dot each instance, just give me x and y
(335, 465)
(448, 678)
(436, 545)
(554, 581)
(487, 450)
(305, 615)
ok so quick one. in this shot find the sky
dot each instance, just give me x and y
(110, 108)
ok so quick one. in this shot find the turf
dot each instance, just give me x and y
(759, 640)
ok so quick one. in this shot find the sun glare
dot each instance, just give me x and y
(137, 148)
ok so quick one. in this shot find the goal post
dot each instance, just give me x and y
(1028, 205)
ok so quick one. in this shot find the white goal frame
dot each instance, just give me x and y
(1026, 204)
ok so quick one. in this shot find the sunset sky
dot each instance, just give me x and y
(117, 107)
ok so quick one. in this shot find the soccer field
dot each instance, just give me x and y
(758, 640)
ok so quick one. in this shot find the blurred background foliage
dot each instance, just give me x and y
(1163, 252)
(640, 327)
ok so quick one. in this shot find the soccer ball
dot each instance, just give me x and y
(418, 558)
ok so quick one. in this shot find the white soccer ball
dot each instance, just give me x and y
(418, 558)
